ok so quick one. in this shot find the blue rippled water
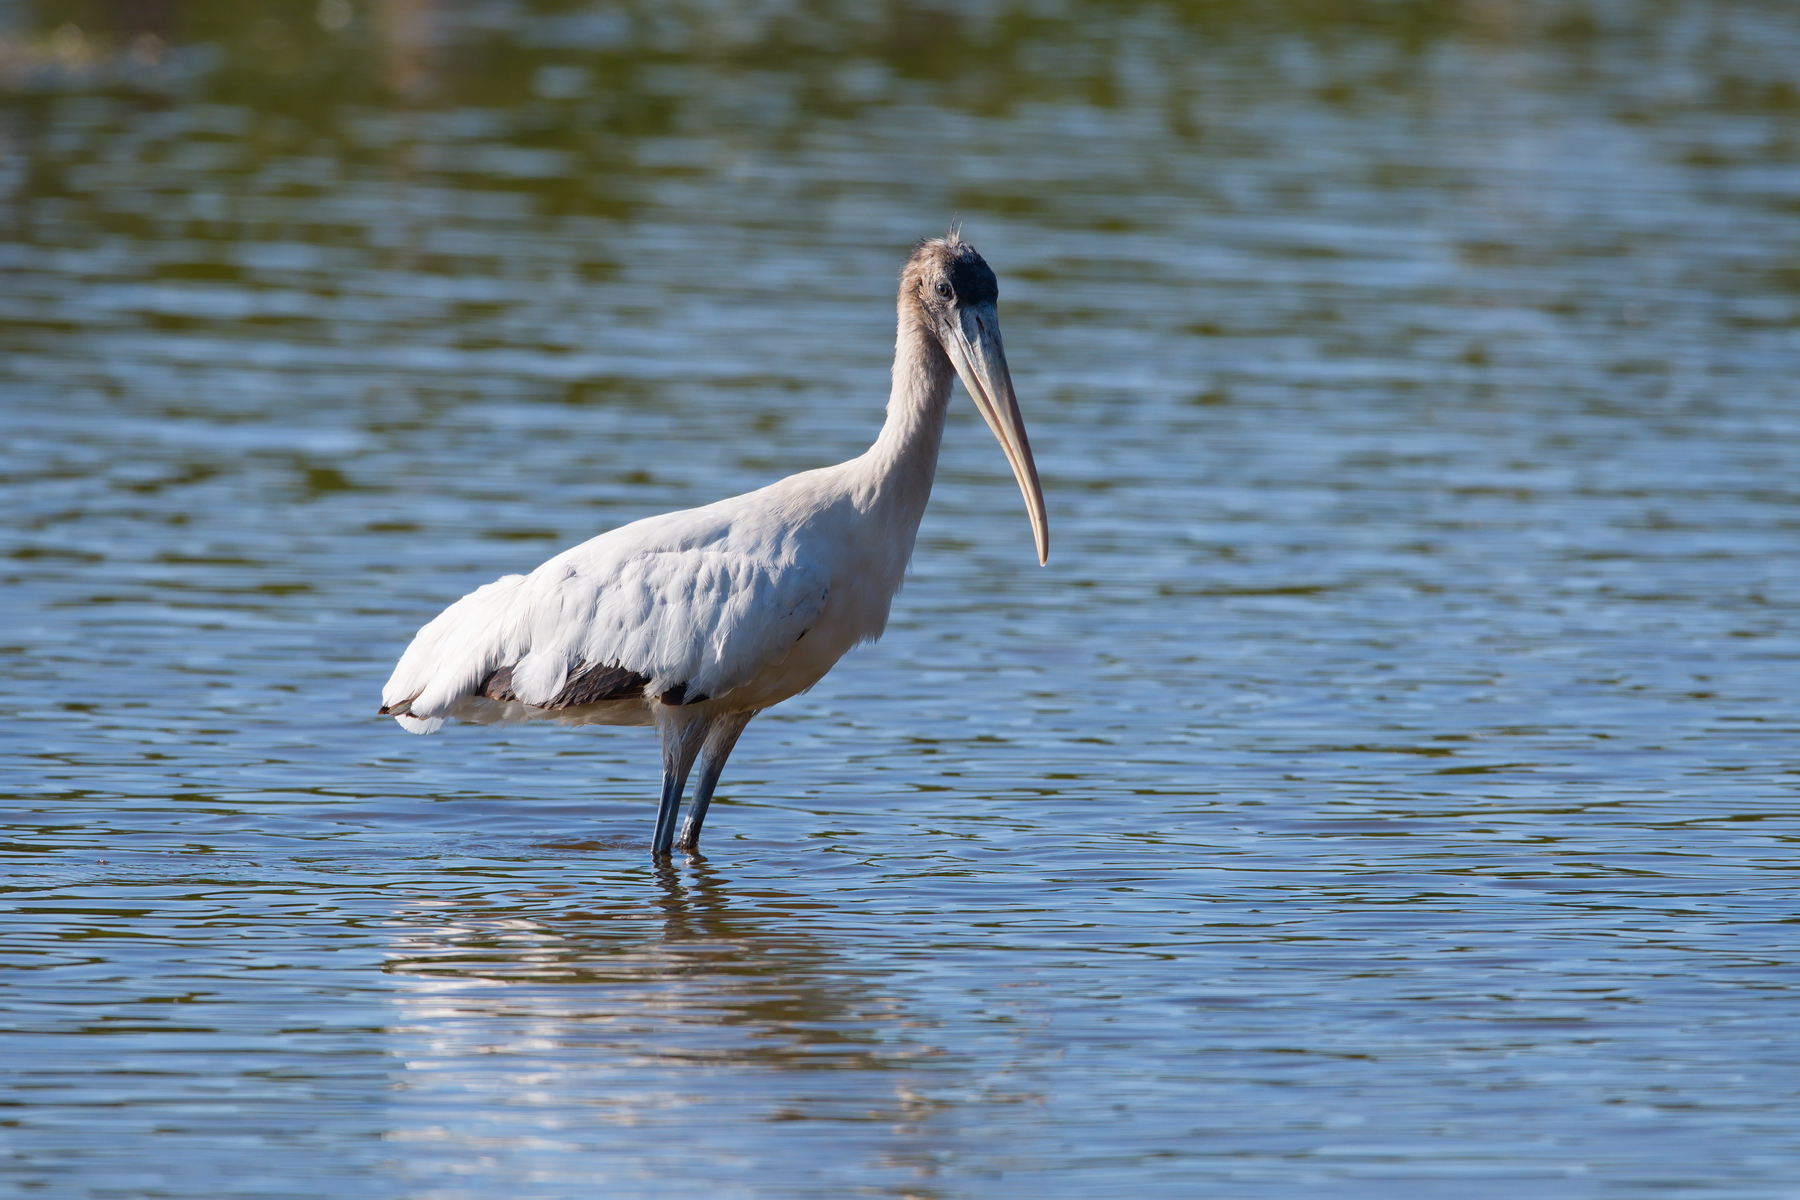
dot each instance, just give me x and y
(1389, 786)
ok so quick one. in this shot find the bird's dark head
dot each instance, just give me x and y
(949, 293)
(944, 276)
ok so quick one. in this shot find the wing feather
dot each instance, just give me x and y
(587, 626)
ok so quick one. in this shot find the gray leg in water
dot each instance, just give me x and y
(719, 740)
(681, 740)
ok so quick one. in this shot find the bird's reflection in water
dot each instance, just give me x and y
(684, 970)
(556, 1028)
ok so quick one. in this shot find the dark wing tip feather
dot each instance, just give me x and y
(594, 684)
(498, 686)
(586, 685)
(678, 695)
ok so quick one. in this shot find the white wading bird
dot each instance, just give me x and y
(696, 621)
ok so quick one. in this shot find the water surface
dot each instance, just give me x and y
(1389, 784)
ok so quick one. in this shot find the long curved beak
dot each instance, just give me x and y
(980, 359)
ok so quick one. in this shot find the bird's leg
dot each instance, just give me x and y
(681, 740)
(719, 740)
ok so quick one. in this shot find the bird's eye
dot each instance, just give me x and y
(943, 289)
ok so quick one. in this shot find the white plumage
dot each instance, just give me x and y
(707, 605)
(695, 621)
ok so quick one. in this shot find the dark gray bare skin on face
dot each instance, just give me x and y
(971, 278)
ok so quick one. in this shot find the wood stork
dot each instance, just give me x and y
(696, 621)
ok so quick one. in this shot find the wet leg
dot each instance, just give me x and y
(681, 739)
(719, 740)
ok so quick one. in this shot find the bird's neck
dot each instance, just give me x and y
(903, 460)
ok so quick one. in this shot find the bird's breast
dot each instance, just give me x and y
(855, 610)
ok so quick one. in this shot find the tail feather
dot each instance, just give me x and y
(399, 708)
